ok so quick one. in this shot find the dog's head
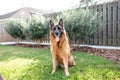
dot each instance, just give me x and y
(57, 30)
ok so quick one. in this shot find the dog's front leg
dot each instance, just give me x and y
(54, 64)
(65, 62)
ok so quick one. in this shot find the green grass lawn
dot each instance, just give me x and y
(17, 63)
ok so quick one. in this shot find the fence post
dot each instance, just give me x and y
(119, 22)
(1, 32)
(109, 23)
(95, 35)
(100, 31)
(114, 22)
(104, 24)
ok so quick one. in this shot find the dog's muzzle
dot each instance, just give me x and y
(57, 36)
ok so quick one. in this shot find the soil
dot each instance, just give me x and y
(111, 54)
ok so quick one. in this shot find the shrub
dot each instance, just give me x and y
(81, 23)
(37, 29)
(15, 27)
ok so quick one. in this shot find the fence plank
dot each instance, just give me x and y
(119, 22)
(104, 24)
(114, 22)
(109, 24)
(1, 33)
(100, 31)
(4, 34)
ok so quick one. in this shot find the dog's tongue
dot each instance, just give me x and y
(57, 39)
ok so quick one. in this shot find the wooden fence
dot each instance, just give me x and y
(4, 36)
(110, 33)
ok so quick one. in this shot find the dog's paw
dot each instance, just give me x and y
(67, 75)
(53, 71)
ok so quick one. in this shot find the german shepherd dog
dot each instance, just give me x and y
(60, 49)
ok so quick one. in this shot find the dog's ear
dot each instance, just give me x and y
(61, 22)
(51, 24)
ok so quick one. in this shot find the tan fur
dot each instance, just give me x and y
(61, 53)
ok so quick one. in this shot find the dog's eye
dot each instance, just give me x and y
(54, 28)
(59, 28)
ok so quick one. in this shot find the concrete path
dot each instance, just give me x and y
(103, 47)
(93, 46)
(8, 43)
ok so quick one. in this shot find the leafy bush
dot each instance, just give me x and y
(15, 28)
(46, 25)
(37, 29)
(81, 23)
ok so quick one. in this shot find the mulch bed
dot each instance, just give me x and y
(113, 55)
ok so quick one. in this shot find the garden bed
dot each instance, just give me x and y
(111, 54)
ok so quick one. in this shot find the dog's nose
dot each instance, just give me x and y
(56, 33)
